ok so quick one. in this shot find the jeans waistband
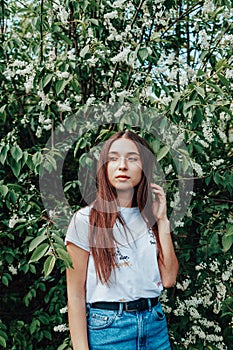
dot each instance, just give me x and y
(131, 306)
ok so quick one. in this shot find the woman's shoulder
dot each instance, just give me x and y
(82, 214)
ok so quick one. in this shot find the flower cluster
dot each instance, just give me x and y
(210, 294)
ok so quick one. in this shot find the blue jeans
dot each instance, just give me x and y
(121, 330)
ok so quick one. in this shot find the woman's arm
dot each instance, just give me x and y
(76, 293)
(168, 263)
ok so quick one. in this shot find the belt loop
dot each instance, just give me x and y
(120, 310)
(88, 307)
(149, 304)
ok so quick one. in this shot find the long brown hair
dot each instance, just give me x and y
(104, 213)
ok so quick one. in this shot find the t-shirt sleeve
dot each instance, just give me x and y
(77, 232)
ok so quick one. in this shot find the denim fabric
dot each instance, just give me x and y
(117, 330)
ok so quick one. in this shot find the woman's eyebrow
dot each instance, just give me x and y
(128, 153)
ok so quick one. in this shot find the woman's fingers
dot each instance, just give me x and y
(158, 190)
(159, 205)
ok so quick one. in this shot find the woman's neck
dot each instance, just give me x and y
(124, 199)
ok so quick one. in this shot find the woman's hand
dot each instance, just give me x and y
(159, 207)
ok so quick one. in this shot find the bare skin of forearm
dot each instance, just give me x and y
(78, 323)
(168, 262)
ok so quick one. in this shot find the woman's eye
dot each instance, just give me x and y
(112, 159)
(132, 159)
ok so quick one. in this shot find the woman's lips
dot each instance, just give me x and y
(122, 177)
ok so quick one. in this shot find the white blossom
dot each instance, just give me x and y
(122, 56)
(216, 163)
(63, 14)
(27, 70)
(13, 270)
(90, 33)
(175, 203)
(63, 75)
(63, 106)
(92, 61)
(208, 7)
(24, 120)
(204, 40)
(29, 84)
(168, 169)
(117, 84)
(13, 220)
(111, 15)
(61, 328)
(221, 289)
(184, 284)
(45, 100)
(71, 55)
(214, 266)
(90, 101)
(178, 141)
(118, 3)
(222, 135)
(229, 73)
(18, 63)
(179, 223)
(227, 40)
(39, 132)
(226, 275)
(78, 98)
(64, 310)
(197, 167)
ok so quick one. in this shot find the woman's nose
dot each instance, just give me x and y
(122, 163)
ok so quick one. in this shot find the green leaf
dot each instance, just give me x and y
(229, 231)
(65, 38)
(2, 342)
(3, 190)
(227, 242)
(46, 80)
(224, 81)
(2, 109)
(49, 265)
(200, 91)
(34, 325)
(162, 153)
(36, 241)
(190, 104)
(50, 163)
(94, 21)
(215, 87)
(39, 252)
(82, 142)
(175, 101)
(16, 153)
(143, 54)
(37, 158)
(221, 64)
(84, 51)
(58, 239)
(15, 167)
(60, 86)
(62, 253)
(5, 281)
(3, 153)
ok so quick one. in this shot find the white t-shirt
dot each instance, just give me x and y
(137, 275)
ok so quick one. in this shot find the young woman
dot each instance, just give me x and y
(122, 254)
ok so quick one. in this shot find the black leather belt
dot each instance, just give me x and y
(131, 306)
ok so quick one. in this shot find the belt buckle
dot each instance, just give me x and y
(129, 310)
(135, 309)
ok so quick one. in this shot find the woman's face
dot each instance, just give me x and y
(124, 165)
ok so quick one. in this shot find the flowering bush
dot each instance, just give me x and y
(65, 57)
